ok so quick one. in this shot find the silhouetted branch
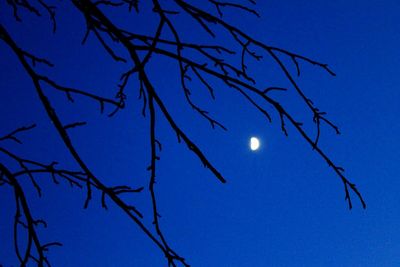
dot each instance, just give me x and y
(23, 212)
(12, 135)
(211, 65)
(90, 178)
(260, 92)
(32, 8)
(219, 4)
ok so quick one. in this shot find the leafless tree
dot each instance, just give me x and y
(210, 64)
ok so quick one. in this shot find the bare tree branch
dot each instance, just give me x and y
(212, 66)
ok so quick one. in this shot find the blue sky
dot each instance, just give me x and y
(281, 206)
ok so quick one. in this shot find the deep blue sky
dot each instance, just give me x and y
(281, 206)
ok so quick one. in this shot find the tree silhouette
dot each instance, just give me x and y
(206, 62)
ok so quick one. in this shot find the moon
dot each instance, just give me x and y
(254, 143)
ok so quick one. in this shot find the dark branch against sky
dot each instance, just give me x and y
(69, 113)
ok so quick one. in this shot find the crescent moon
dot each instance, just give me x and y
(254, 143)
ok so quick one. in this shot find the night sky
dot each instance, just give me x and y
(281, 206)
